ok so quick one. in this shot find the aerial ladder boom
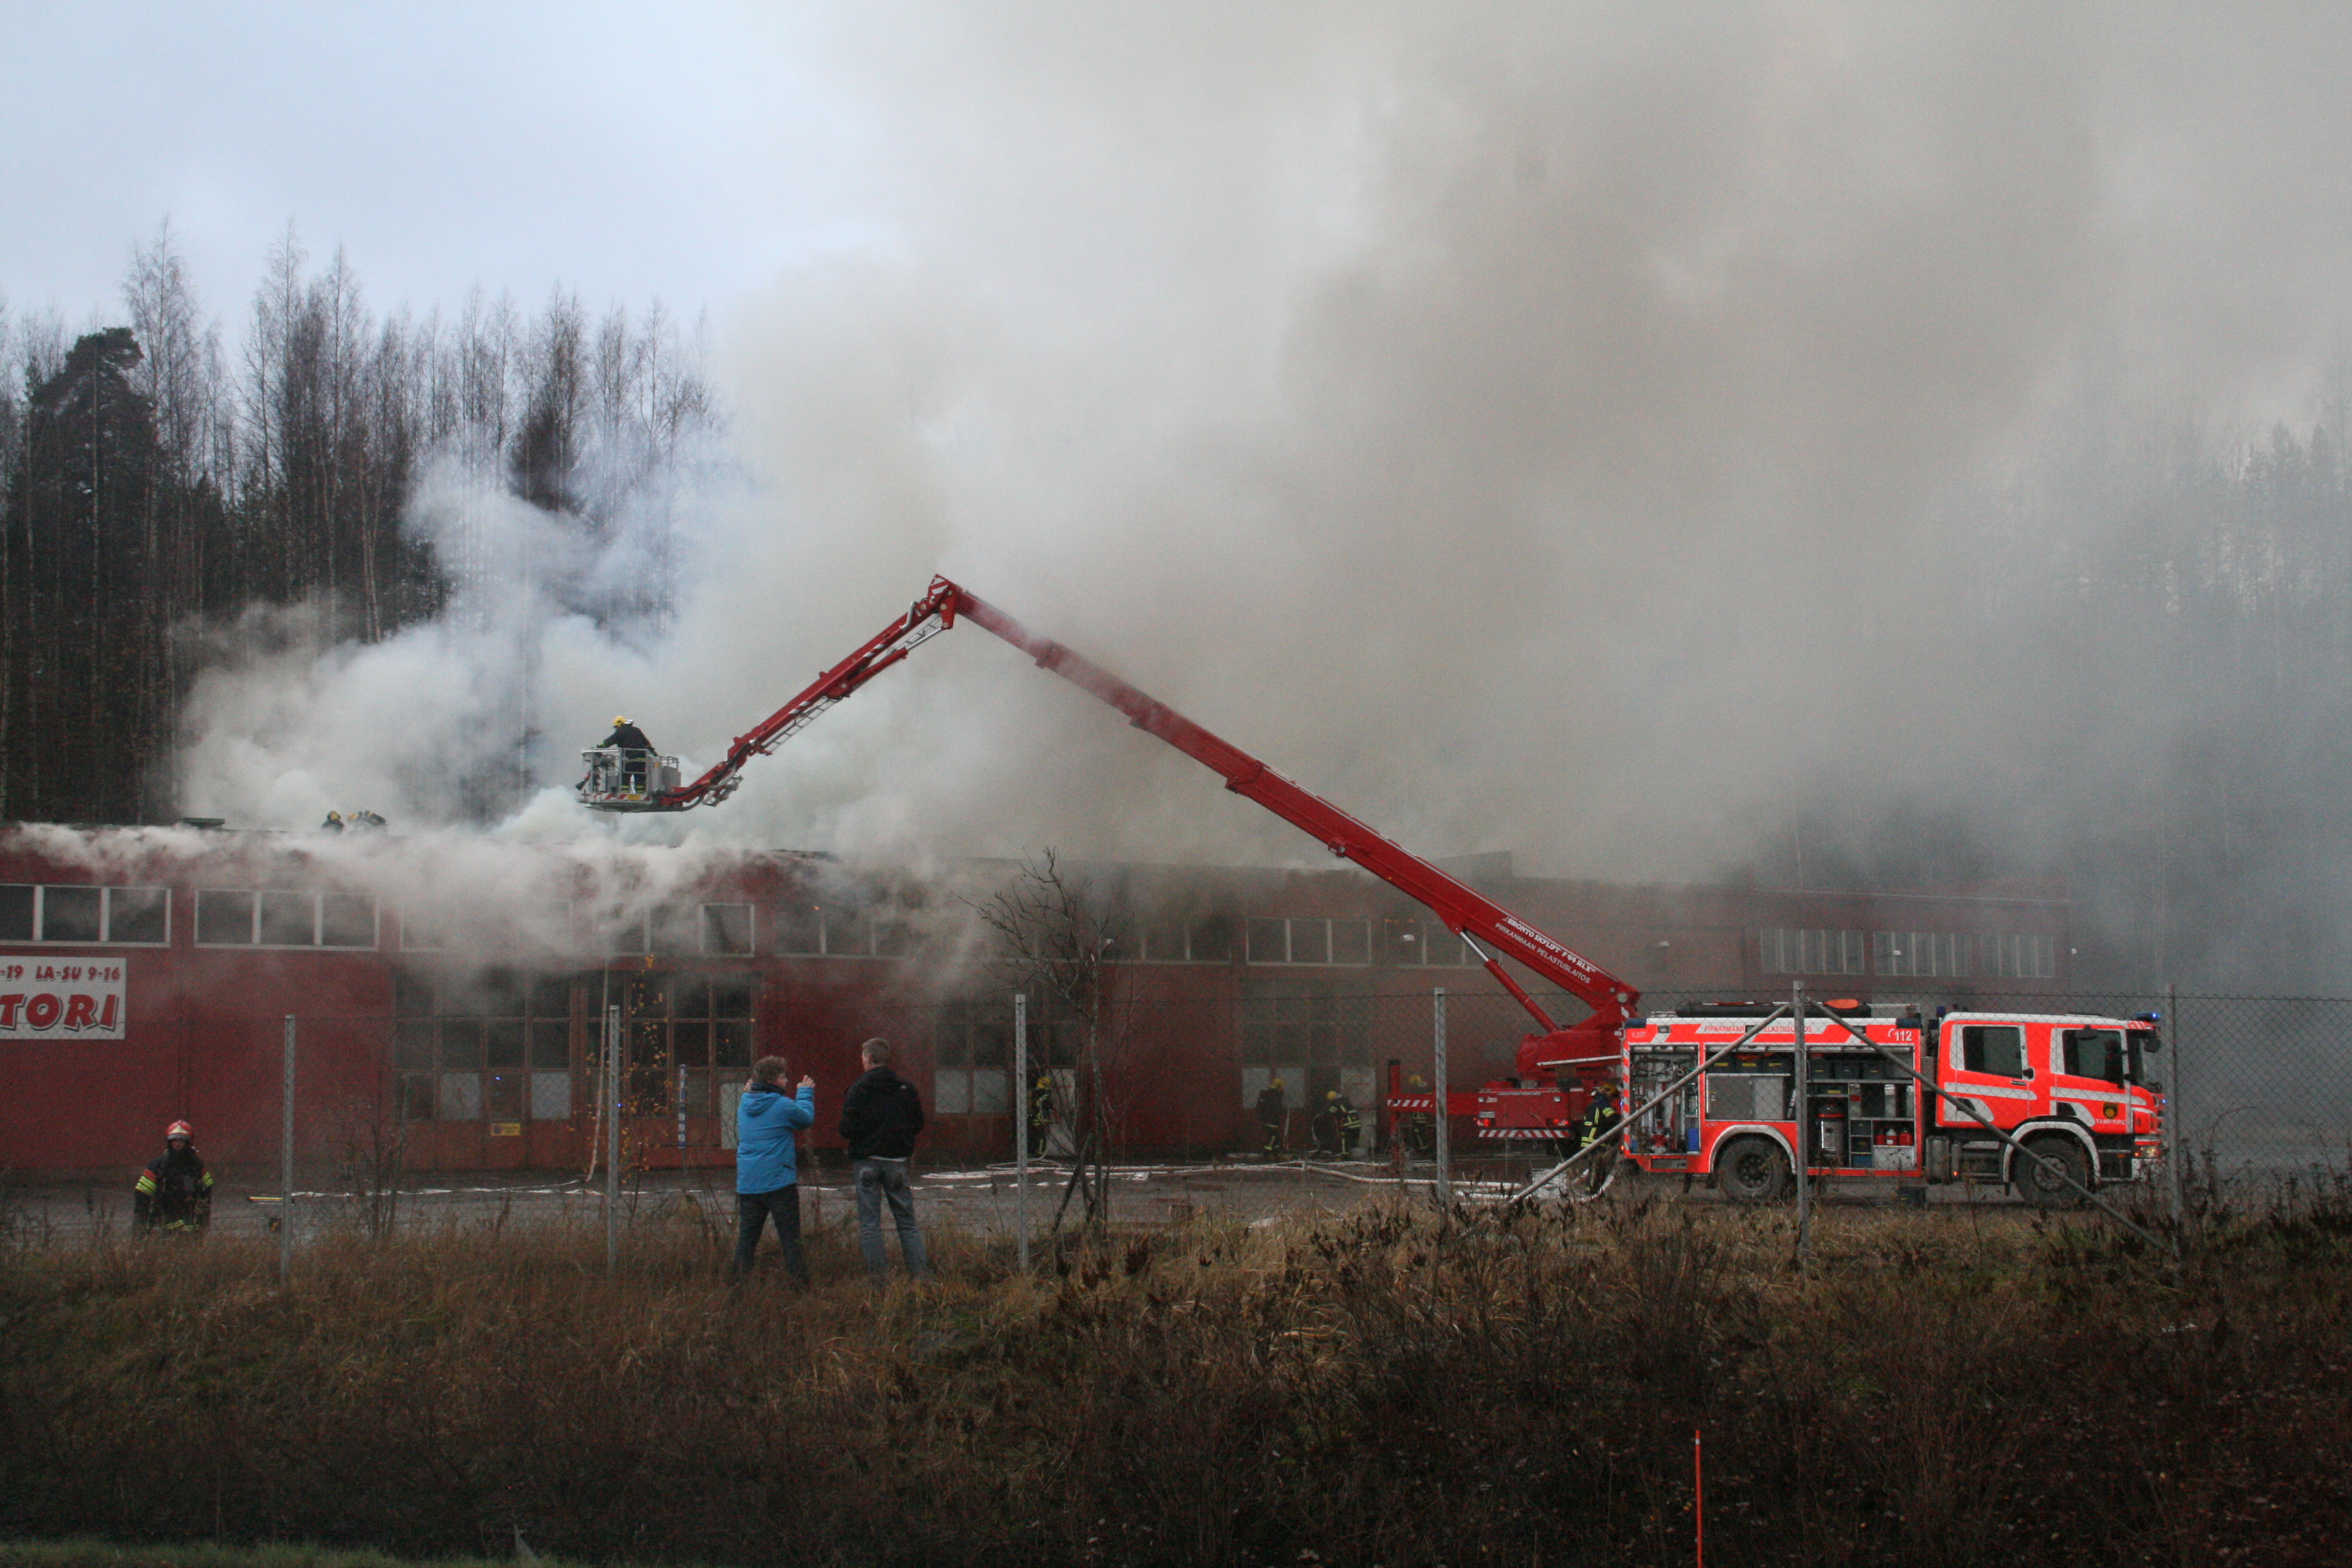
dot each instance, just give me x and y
(1494, 933)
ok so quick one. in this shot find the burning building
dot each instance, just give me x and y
(448, 994)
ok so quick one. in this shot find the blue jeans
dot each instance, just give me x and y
(753, 1212)
(879, 1179)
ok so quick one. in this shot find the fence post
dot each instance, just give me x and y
(1437, 1075)
(611, 1141)
(1020, 1127)
(1804, 1124)
(286, 1161)
(2172, 1122)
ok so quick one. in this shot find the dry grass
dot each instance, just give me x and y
(1400, 1387)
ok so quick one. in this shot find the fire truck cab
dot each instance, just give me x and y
(1889, 1094)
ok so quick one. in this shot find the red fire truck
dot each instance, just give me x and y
(2052, 1104)
(2101, 1125)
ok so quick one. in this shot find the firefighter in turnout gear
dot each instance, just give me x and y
(1270, 1114)
(635, 749)
(1043, 1113)
(174, 1192)
(1346, 1123)
(1599, 1124)
(1416, 1131)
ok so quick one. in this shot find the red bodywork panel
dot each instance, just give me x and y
(1586, 1049)
(2041, 1095)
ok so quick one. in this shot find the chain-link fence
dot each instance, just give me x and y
(2260, 1083)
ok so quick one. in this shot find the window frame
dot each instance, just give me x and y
(1773, 943)
(1290, 925)
(39, 920)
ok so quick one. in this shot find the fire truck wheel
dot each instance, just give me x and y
(2040, 1185)
(1752, 1171)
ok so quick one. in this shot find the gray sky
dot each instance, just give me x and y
(1448, 402)
(678, 150)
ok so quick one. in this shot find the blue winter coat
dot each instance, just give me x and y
(765, 1157)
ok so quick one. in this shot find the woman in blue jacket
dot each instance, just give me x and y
(767, 1164)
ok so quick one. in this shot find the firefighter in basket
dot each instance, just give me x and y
(636, 752)
(174, 1192)
(1270, 1114)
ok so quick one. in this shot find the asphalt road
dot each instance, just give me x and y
(988, 1198)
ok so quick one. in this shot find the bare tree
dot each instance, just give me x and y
(1055, 939)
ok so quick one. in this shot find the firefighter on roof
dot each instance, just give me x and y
(174, 1192)
(334, 822)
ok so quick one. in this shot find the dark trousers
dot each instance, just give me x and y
(752, 1211)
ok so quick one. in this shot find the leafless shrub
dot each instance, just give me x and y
(1503, 1386)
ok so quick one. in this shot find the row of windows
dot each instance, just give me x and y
(1915, 954)
(1787, 950)
(42, 913)
(842, 930)
(497, 1045)
(224, 917)
(269, 918)
(230, 917)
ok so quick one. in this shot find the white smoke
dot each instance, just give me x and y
(1574, 430)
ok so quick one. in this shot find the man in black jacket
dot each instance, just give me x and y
(879, 1116)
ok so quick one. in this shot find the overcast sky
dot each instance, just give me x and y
(1446, 400)
(679, 150)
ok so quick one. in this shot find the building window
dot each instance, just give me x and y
(1789, 950)
(684, 1034)
(237, 917)
(1308, 938)
(843, 930)
(87, 915)
(1926, 953)
(972, 1059)
(683, 931)
(800, 929)
(1422, 942)
(727, 929)
(1206, 941)
(423, 927)
(1304, 1034)
(493, 1047)
(673, 930)
(2020, 957)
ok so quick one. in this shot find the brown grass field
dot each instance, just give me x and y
(1400, 1387)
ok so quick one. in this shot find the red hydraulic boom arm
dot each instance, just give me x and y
(1492, 932)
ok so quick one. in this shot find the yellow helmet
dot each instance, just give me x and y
(1331, 1094)
(619, 720)
(1276, 1084)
